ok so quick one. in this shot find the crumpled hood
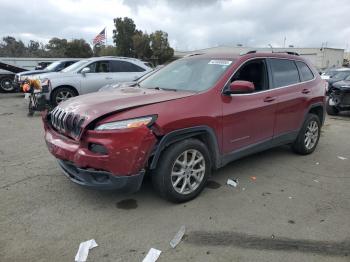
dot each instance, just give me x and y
(94, 105)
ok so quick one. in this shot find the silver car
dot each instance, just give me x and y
(89, 75)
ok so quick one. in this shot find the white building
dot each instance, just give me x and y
(322, 58)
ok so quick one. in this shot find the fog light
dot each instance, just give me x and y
(98, 149)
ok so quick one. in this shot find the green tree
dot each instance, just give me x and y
(122, 36)
(36, 49)
(160, 47)
(78, 48)
(57, 47)
(102, 50)
(141, 45)
(11, 47)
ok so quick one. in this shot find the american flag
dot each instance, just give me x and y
(100, 37)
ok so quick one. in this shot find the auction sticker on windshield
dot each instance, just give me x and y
(220, 62)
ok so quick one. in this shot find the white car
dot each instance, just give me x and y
(89, 75)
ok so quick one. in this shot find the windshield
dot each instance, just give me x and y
(52, 66)
(341, 75)
(197, 75)
(75, 66)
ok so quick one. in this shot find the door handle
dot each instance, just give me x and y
(306, 91)
(269, 99)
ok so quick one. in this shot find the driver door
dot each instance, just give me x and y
(248, 119)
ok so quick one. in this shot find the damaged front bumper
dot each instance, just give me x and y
(340, 98)
(103, 160)
(101, 179)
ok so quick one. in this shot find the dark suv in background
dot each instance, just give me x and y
(193, 116)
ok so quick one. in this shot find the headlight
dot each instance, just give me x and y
(45, 85)
(44, 82)
(22, 78)
(129, 123)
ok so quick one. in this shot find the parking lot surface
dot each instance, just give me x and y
(286, 207)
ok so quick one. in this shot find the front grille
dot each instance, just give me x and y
(346, 99)
(66, 123)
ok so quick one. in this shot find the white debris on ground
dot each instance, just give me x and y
(152, 255)
(342, 158)
(177, 238)
(83, 250)
(232, 182)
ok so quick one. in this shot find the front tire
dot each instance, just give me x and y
(308, 136)
(331, 110)
(6, 84)
(61, 94)
(182, 170)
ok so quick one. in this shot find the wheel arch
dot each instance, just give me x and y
(319, 110)
(203, 133)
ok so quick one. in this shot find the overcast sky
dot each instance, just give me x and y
(191, 24)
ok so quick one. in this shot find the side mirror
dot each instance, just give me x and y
(240, 87)
(85, 70)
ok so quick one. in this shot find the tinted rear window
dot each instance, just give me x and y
(305, 71)
(284, 72)
(123, 66)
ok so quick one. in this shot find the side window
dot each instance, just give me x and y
(123, 66)
(255, 72)
(284, 72)
(60, 67)
(99, 67)
(305, 72)
(69, 63)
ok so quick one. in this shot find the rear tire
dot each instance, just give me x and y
(61, 94)
(182, 171)
(308, 136)
(331, 110)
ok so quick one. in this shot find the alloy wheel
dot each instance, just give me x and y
(63, 96)
(311, 135)
(188, 171)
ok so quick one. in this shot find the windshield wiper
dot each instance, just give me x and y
(165, 89)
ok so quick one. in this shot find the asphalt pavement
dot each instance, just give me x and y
(286, 207)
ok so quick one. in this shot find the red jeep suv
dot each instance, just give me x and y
(191, 117)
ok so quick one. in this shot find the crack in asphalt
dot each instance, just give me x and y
(273, 243)
(22, 180)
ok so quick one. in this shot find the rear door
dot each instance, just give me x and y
(248, 119)
(290, 96)
(123, 71)
(98, 77)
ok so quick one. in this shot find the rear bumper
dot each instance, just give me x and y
(101, 179)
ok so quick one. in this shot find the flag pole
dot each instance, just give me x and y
(106, 37)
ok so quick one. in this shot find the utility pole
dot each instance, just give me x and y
(284, 42)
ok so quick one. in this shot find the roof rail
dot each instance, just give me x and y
(264, 51)
(120, 57)
(189, 55)
(287, 52)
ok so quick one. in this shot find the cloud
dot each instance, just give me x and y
(190, 24)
